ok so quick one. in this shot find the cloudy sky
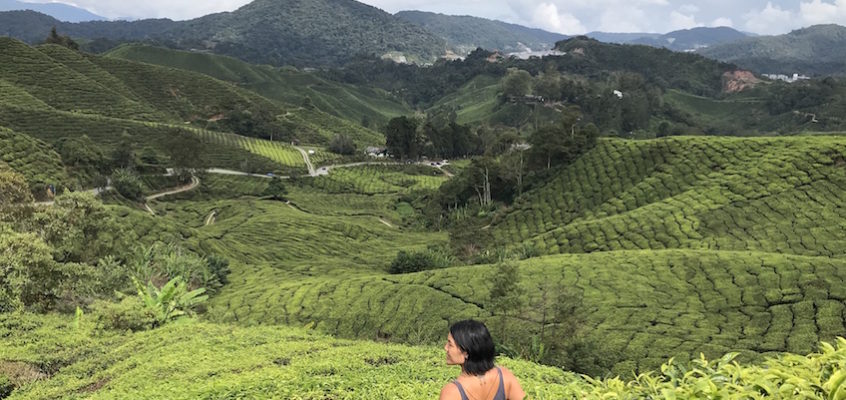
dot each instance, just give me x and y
(564, 16)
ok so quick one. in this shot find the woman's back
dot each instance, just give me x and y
(469, 344)
(497, 384)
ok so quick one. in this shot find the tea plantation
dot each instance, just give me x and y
(637, 253)
(200, 360)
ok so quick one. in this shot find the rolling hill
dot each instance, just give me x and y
(51, 93)
(692, 39)
(288, 85)
(60, 11)
(815, 50)
(464, 34)
(290, 32)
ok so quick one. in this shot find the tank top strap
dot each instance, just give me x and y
(500, 392)
(461, 390)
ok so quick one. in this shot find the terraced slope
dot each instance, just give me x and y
(702, 260)
(287, 84)
(51, 125)
(34, 159)
(56, 78)
(762, 194)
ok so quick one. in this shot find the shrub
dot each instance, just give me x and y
(415, 261)
(127, 183)
(6, 387)
(129, 314)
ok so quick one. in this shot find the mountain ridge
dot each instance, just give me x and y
(814, 50)
(60, 11)
(465, 33)
(290, 32)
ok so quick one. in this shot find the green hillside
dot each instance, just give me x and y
(688, 193)
(33, 159)
(664, 242)
(464, 34)
(815, 50)
(287, 85)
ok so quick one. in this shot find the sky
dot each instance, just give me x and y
(765, 17)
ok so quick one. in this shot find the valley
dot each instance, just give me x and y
(196, 224)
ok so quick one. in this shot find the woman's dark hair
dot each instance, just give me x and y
(473, 338)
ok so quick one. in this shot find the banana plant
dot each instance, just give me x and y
(171, 300)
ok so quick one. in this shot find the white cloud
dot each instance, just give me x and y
(722, 21)
(549, 18)
(772, 20)
(154, 8)
(682, 21)
(623, 19)
(688, 9)
(822, 12)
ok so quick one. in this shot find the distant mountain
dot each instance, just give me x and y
(622, 38)
(464, 34)
(277, 32)
(693, 39)
(816, 50)
(60, 11)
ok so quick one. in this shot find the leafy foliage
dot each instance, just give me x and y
(171, 301)
(279, 362)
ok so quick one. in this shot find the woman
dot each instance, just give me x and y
(469, 345)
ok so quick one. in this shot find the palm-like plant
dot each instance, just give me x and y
(171, 300)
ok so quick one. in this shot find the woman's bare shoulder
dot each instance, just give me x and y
(450, 392)
(506, 373)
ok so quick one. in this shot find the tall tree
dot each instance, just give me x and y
(55, 38)
(402, 139)
(506, 296)
(517, 83)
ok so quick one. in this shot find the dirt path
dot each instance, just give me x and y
(210, 219)
(191, 186)
(311, 171)
(221, 171)
(388, 224)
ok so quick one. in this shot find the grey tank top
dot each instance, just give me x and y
(500, 392)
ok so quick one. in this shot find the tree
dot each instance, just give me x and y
(342, 144)
(13, 188)
(548, 84)
(82, 152)
(29, 278)
(55, 38)
(506, 296)
(123, 155)
(127, 183)
(276, 190)
(80, 229)
(564, 142)
(402, 139)
(517, 83)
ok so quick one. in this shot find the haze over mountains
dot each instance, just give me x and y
(60, 11)
(318, 33)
